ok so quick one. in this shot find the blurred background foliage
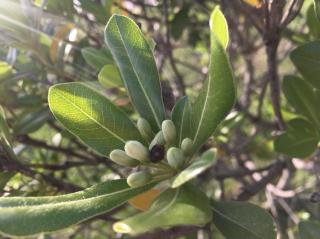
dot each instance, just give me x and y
(44, 42)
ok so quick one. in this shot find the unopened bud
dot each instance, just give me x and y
(138, 179)
(186, 146)
(175, 157)
(169, 131)
(120, 157)
(145, 129)
(136, 150)
(158, 140)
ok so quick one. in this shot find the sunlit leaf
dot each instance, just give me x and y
(219, 27)
(109, 76)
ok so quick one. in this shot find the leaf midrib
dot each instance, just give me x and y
(90, 117)
(236, 223)
(137, 77)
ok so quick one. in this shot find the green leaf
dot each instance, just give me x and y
(303, 98)
(4, 178)
(46, 214)
(309, 230)
(219, 27)
(307, 59)
(4, 128)
(97, 58)
(5, 70)
(218, 94)
(92, 117)
(316, 4)
(181, 117)
(313, 22)
(32, 121)
(110, 77)
(180, 22)
(243, 220)
(102, 14)
(137, 66)
(183, 206)
(197, 167)
(300, 140)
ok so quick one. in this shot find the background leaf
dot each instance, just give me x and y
(92, 117)
(62, 211)
(299, 140)
(183, 206)
(243, 220)
(135, 60)
(97, 58)
(109, 76)
(197, 167)
(309, 230)
(307, 60)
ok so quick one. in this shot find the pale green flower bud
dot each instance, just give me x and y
(137, 150)
(175, 157)
(158, 140)
(169, 131)
(138, 179)
(145, 129)
(186, 146)
(120, 157)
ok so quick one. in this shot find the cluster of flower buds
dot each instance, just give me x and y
(161, 160)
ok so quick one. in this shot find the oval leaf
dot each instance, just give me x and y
(300, 139)
(109, 76)
(92, 117)
(137, 66)
(243, 220)
(303, 98)
(217, 96)
(62, 211)
(307, 59)
(181, 117)
(183, 206)
(196, 168)
(97, 58)
(309, 230)
(219, 27)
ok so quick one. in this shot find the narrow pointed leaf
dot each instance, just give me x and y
(219, 26)
(309, 230)
(92, 117)
(54, 213)
(307, 59)
(217, 96)
(135, 60)
(243, 220)
(300, 139)
(196, 168)
(183, 206)
(181, 117)
(4, 128)
(303, 98)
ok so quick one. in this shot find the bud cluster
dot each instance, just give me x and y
(160, 160)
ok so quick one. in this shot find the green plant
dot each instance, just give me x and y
(167, 150)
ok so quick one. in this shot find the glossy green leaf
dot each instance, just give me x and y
(309, 230)
(219, 26)
(243, 220)
(303, 98)
(307, 59)
(300, 139)
(92, 117)
(5, 70)
(137, 66)
(110, 77)
(181, 117)
(183, 206)
(197, 167)
(32, 121)
(217, 96)
(46, 214)
(97, 58)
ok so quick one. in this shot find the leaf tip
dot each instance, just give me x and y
(121, 227)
